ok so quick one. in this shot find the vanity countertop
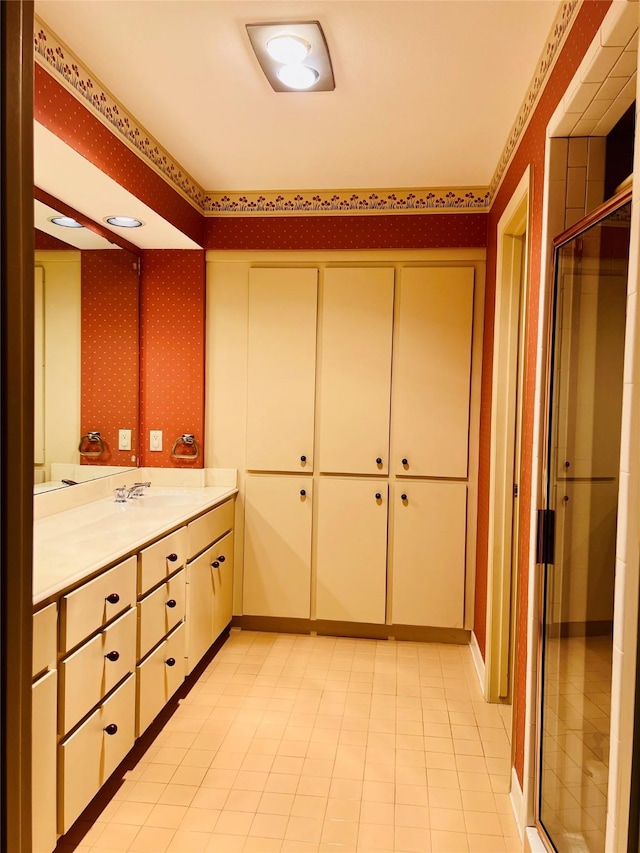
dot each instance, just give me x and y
(72, 545)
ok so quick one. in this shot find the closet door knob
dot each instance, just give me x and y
(403, 497)
(215, 564)
(303, 458)
(378, 496)
(171, 603)
(170, 661)
(222, 558)
(111, 729)
(379, 461)
(172, 558)
(303, 492)
(113, 598)
(405, 461)
(112, 655)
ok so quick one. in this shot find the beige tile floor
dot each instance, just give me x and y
(294, 743)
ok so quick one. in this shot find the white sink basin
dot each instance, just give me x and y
(164, 498)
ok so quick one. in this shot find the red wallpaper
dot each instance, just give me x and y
(64, 115)
(530, 152)
(109, 345)
(47, 242)
(172, 307)
(406, 231)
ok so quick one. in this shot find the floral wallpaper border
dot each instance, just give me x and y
(59, 61)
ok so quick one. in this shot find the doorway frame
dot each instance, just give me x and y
(510, 313)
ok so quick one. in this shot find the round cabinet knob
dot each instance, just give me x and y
(113, 598)
(405, 461)
(170, 661)
(303, 458)
(215, 564)
(303, 492)
(379, 461)
(403, 497)
(172, 558)
(114, 656)
(111, 729)
(567, 464)
(222, 558)
(171, 603)
(378, 496)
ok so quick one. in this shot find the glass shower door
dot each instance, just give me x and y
(583, 460)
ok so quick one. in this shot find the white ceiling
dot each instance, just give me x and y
(426, 90)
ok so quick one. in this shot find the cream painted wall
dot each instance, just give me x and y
(226, 364)
(61, 376)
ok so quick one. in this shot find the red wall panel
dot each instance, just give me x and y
(172, 306)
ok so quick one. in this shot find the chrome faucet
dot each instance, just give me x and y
(137, 490)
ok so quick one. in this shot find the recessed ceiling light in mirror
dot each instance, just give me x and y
(65, 222)
(124, 221)
(293, 45)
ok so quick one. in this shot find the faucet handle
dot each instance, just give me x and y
(120, 494)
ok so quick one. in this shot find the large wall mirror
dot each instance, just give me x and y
(86, 351)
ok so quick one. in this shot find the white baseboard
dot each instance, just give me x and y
(517, 802)
(478, 661)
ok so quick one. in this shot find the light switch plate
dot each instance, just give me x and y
(155, 439)
(124, 439)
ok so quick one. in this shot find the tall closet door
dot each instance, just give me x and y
(281, 369)
(277, 546)
(429, 536)
(352, 550)
(355, 370)
(432, 372)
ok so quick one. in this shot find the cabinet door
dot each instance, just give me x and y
(222, 584)
(352, 550)
(432, 372)
(429, 545)
(199, 608)
(355, 370)
(281, 369)
(43, 762)
(277, 547)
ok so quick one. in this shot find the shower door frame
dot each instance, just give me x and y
(589, 221)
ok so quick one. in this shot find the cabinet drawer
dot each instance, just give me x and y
(159, 677)
(43, 763)
(205, 530)
(95, 603)
(91, 672)
(161, 559)
(45, 639)
(159, 612)
(89, 756)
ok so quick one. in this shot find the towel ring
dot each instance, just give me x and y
(188, 440)
(87, 440)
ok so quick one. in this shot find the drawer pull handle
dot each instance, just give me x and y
(170, 661)
(113, 598)
(172, 558)
(215, 564)
(303, 458)
(114, 656)
(222, 558)
(111, 729)
(303, 492)
(172, 602)
(405, 462)
(378, 496)
(403, 497)
(379, 460)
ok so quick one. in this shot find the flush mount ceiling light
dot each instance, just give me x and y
(293, 56)
(124, 221)
(65, 222)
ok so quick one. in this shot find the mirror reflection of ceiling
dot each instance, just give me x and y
(426, 90)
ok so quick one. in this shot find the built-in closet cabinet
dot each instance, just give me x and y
(281, 369)
(432, 372)
(352, 550)
(354, 376)
(277, 557)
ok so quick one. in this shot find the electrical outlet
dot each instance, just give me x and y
(124, 439)
(155, 439)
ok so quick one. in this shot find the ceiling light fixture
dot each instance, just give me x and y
(65, 222)
(293, 56)
(124, 221)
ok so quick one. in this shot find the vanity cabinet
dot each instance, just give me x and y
(354, 376)
(432, 372)
(44, 699)
(277, 551)
(281, 369)
(428, 553)
(352, 550)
